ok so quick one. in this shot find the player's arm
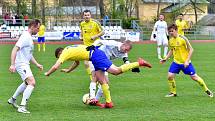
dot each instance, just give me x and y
(12, 59)
(81, 34)
(101, 31)
(33, 60)
(190, 48)
(53, 68)
(168, 56)
(71, 68)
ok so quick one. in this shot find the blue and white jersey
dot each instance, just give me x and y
(111, 49)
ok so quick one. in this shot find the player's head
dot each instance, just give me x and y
(87, 15)
(173, 30)
(161, 17)
(58, 51)
(180, 16)
(34, 26)
(126, 46)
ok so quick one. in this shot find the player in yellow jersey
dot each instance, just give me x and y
(41, 37)
(182, 51)
(91, 31)
(100, 62)
(181, 24)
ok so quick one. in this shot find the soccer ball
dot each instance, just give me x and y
(86, 98)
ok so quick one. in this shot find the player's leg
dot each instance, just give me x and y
(38, 45)
(99, 92)
(165, 44)
(172, 85)
(44, 44)
(26, 94)
(105, 88)
(159, 43)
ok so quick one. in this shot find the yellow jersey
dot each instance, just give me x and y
(179, 48)
(42, 30)
(89, 29)
(74, 53)
(181, 25)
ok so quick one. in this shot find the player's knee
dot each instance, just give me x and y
(30, 81)
(170, 78)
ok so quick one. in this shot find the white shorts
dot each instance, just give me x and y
(162, 39)
(24, 71)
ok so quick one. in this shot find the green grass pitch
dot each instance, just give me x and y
(137, 96)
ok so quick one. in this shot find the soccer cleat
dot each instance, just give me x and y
(144, 63)
(209, 93)
(109, 105)
(93, 101)
(171, 95)
(12, 101)
(22, 109)
(160, 58)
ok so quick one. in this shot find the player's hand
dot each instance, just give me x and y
(93, 37)
(135, 70)
(154, 36)
(12, 68)
(40, 66)
(162, 61)
(92, 47)
(65, 70)
(46, 74)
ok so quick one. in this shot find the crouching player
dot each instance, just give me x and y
(182, 51)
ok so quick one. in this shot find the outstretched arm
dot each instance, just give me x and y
(168, 56)
(53, 68)
(13, 57)
(71, 68)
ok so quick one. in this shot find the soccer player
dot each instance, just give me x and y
(161, 28)
(112, 50)
(99, 60)
(91, 31)
(182, 51)
(181, 24)
(41, 38)
(21, 56)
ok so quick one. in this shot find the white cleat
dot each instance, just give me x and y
(209, 93)
(22, 109)
(12, 101)
(171, 95)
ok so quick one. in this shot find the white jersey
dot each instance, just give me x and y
(161, 27)
(111, 49)
(25, 43)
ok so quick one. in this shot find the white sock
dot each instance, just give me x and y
(19, 90)
(27, 94)
(92, 89)
(99, 92)
(159, 51)
(165, 51)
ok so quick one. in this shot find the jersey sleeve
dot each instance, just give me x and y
(22, 42)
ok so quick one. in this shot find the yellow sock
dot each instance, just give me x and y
(127, 67)
(106, 92)
(202, 84)
(89, 73)
(172, 86)
(44, 47)
(38, 46)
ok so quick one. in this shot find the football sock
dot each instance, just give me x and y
(44, 47)
(202, 84)
(172, 86)
(27, 94)
(38, 46)
(89, 73)
(92, 89)
(19, 90)
(127, 67)
(106, 91)
(99, 92)
(159, 51)
(165, 51)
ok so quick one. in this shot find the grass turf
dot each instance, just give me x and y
(137, 96)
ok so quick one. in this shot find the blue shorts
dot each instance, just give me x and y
(176, 68)
(100, 60)
(41, 39)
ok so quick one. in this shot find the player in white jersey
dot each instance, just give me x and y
(162, 36)
(21, 56)
(112, 50)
